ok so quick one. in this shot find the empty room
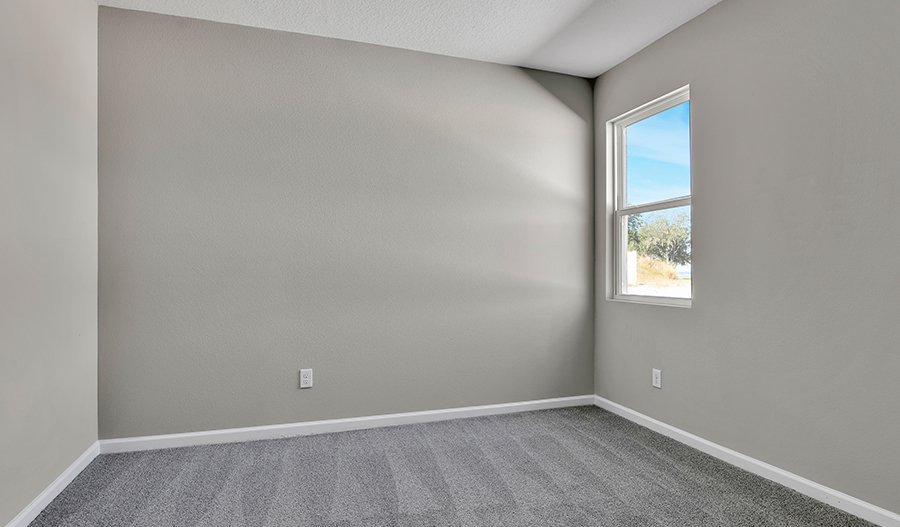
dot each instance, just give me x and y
(398, 263)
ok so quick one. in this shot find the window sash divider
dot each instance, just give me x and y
(656, 205)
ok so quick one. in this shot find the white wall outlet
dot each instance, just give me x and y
(657, 379)
(306, 378)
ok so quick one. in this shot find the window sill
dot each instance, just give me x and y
(653, 300)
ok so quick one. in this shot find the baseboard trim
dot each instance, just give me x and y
(832, 497)
(43, 499)
(131, 444)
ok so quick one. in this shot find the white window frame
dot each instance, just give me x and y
(615, 155)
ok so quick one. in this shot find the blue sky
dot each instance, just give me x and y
(658, 156)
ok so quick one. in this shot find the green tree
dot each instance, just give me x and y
(667, 238)
(635, 224)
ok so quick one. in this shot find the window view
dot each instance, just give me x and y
(659, 253)
(658, 157)
(652, 160)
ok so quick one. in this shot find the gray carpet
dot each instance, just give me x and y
(566, 467)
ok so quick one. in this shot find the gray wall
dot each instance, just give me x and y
(48, 236)
(415, 228)
(791, 349)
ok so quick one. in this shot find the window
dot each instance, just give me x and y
(650, 171)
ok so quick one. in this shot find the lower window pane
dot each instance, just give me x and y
(659, 253)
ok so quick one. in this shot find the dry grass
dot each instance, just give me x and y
(652, 271)
(656, 269)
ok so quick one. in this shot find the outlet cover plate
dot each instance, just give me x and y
(657, 379)
(306, 379)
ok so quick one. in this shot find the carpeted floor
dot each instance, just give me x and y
(568, 467)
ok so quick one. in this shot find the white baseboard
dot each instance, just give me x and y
(832, 497)
(253, 433)
(34, 508)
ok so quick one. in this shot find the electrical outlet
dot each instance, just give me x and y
(306, 378)
(657, 379)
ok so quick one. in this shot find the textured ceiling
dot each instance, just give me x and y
(579, 37)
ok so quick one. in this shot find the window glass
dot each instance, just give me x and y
(658, 157)
(658, 261)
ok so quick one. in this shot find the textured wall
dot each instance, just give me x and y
(790, 351)
(48, 243)
(415, 228)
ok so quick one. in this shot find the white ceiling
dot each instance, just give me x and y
(579, 37)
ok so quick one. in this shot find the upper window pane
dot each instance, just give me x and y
(658, 157)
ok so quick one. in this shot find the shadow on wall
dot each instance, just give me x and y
(417, 228)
